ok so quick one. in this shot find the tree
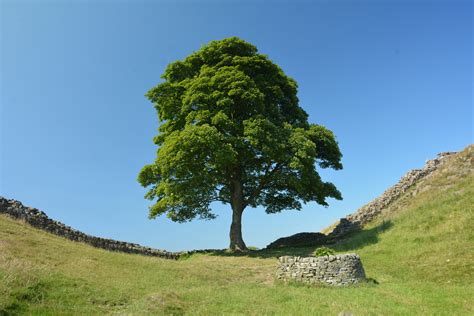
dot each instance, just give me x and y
(232, 131)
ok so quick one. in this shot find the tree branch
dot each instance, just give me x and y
(263, 182)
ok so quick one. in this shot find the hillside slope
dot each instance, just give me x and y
(421, 254)
(381, 205)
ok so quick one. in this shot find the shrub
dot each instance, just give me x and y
(323, 251)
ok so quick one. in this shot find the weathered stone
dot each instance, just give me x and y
(370, 211)
(334, 270)
(365, 214)
(40, 220)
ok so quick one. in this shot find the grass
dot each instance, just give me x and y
(421, 254)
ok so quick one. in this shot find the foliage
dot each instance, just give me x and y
(232, 131)
(323, 251)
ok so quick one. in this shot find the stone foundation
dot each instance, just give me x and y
(335, 270)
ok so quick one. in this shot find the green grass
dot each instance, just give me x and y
(421, 254)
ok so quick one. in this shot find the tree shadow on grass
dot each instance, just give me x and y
(352, 242)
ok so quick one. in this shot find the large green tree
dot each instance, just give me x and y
(232, 131)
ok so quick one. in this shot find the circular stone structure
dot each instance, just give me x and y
(344, 269)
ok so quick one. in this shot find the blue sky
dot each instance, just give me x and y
(392, 79)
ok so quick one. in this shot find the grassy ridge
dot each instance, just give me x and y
(421, 253)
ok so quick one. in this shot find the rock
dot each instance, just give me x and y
(299, 240)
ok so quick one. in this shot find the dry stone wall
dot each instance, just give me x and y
(339, 270)
(39, 219)
(365, 214)
(370, 211)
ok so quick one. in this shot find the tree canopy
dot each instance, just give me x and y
(232, 131)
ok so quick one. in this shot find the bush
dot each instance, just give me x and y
(323, 251)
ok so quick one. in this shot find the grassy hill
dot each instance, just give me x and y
(420, 252)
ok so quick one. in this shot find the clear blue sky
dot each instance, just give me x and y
(392, 79)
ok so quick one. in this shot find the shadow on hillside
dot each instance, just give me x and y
(352, 242)
(362, 238)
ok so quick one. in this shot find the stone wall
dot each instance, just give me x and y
(336, 270)
(365, 214)
(39, 219)
(370, 211)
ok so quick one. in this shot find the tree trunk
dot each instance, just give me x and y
(236, 241)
